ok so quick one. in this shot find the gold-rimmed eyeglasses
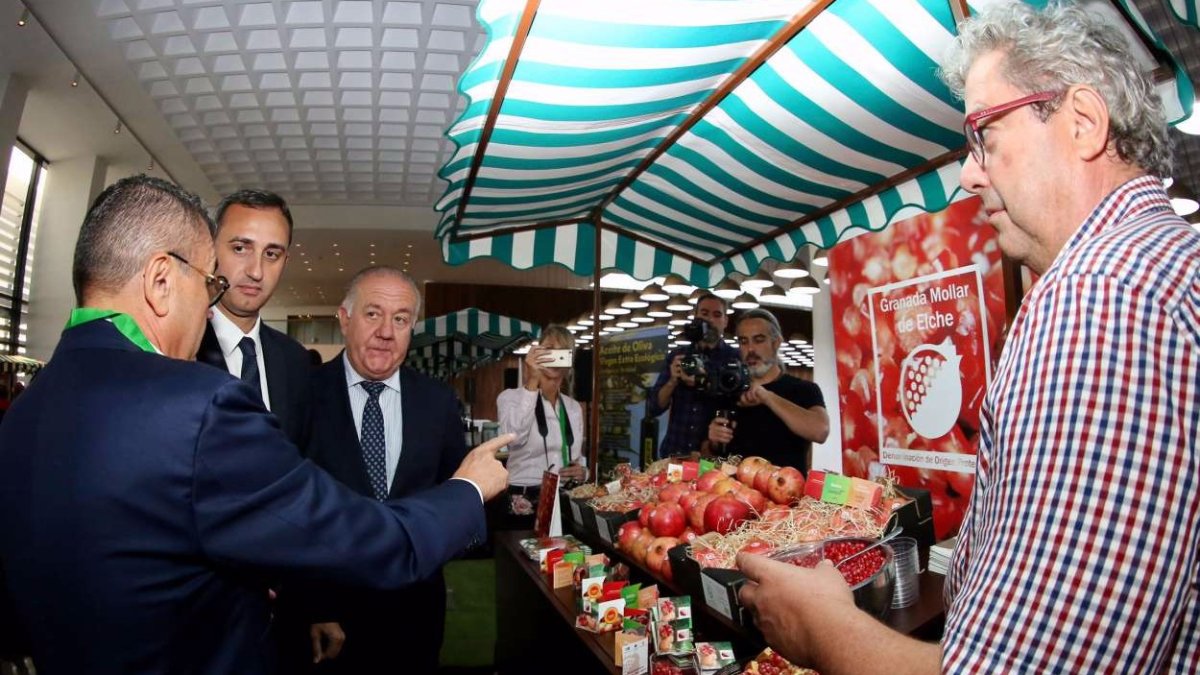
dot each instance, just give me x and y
(973, 130)
(215, 284)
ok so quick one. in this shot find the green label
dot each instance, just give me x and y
(837, 489)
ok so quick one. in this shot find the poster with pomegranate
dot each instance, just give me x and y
(919, 320)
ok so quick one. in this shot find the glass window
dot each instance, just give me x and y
(18, 229)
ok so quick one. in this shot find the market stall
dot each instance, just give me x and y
(704, 139)
(444, 346)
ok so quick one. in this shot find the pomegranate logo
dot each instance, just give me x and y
(931, 388)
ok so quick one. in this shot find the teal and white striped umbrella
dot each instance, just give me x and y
(705, 136)
(1187, 11)
(449, 344)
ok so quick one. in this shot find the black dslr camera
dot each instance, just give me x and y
(730, 379)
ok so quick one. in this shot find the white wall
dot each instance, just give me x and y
(71, 185)
(12, 102)
(827, 455)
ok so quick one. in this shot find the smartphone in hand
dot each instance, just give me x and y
(560, 358)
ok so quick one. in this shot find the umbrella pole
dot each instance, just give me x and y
(594, 421)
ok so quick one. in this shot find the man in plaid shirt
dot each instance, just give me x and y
(1079, 551)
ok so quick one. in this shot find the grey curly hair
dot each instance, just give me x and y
(1060, 46)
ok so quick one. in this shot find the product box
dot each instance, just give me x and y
(714, 657)
(672, 626)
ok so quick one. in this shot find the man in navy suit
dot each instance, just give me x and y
(254, 233)
(386, 432)
(149, 501)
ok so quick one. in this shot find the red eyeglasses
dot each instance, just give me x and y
(973, 131)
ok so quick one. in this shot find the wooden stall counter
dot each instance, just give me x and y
(536, 623)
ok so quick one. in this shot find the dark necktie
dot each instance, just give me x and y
(372, 440)
(250, 365)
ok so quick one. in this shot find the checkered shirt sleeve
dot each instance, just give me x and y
(1079, 553)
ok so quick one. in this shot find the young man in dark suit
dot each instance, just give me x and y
(149, 501)
(386, 432)
(254, 232)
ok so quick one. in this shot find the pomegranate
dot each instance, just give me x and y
(749, 467)
(756, 546)
(668, 520)
(627, 534)
(763, 477)
(688, 498)
(637, 549)
(786, 486)
(753, 498)
(656, 554)
(706, 482)
(672, 492)
(725, 513)
(724, 486)
(644, 514)
(695, 515)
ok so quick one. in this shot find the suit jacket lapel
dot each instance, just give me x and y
(210, 349)
(277, 388)
(341, 423)
(412, 442)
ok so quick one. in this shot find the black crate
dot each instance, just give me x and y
(719, 588)
(605, 524)
(684, 571)
(916, 517)
(573, 517)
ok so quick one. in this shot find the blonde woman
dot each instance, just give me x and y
(547, 422)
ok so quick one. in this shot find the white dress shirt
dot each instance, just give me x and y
(528, 455)
(228, 336)
(389, 405)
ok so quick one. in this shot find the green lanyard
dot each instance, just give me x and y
(562, 429)
(123, 323)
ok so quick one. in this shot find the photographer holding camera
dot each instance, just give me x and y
(779, 416)
(548, 425)
(678, 389)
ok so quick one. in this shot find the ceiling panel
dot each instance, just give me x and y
(323, 101)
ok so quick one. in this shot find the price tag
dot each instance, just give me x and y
(716, 596)
(602, 528)
(576, 515)
(613, 487)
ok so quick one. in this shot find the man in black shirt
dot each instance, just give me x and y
(676, 391)
(780, 416)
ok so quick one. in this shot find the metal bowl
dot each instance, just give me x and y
(874, 595)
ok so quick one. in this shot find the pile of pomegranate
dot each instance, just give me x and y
(718, 501)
